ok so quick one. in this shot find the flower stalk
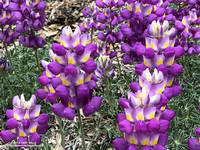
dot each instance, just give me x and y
(36, 57)
(61, 131)
(80, 125)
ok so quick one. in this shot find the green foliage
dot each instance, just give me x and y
(22, 78)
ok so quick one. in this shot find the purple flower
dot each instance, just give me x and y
(90, 66)
(139, 68)
(120, 144)
(125, 14)
(70, 69)
(197, 132)
(55, 68)
(134, 86)
(193, 144)
(176, 69)
(92, 106)
(68, 78)
(58, 49)
(127, 32)
(69, 113)
(145, 122)
(58, 109)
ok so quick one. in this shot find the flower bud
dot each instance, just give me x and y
(124, 103)
(9, 113)
(140, 126)
(43, 118)
(139, 68)
(126, 14)
(164, 125)
(43, 80)
(168, 114)
(179, 25)
(55, 67)
(35, 138)
(197, 131)
(58, 109)
(70, 69)
(42, 128)
(121, 117)
(153, 125)
(89, 67)
(149, 53)
(11, 123)
(179, 51)
(120, 144)
(7, 136)
(62, 91)
(69, 113)
(134, 86)
(41, 93)
(127, 59)
(125, 126)
(58, 49)
(26, 123)
(176, 69)
(92, 106)
(83, 92)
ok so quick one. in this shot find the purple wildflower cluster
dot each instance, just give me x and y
(104, 21)
(159, 51)
(147, 117)
(103, 18)
(140, 14)
(19, 19)
(187, 30)
(68, 79)
(25, 123)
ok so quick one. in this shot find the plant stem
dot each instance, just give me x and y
(81, 130)
(36, 57)
(92, 32)
(108, 92)
(119, 66)
(7, 52)
(120, 70)
(15, 48)
(60, 123)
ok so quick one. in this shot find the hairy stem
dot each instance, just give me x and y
(61, 131)
(118, 62)
(7, 52)
(80, 124)
(36, 57)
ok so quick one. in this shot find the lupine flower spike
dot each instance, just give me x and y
(68, 78)
(147, 117)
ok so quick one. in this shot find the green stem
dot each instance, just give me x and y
(36, 57)
(15, 48)
(92, 32)
(60, 123)
(80, 123)
(119, 66)
(108, 92)
(118, 62)
(7, 52)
